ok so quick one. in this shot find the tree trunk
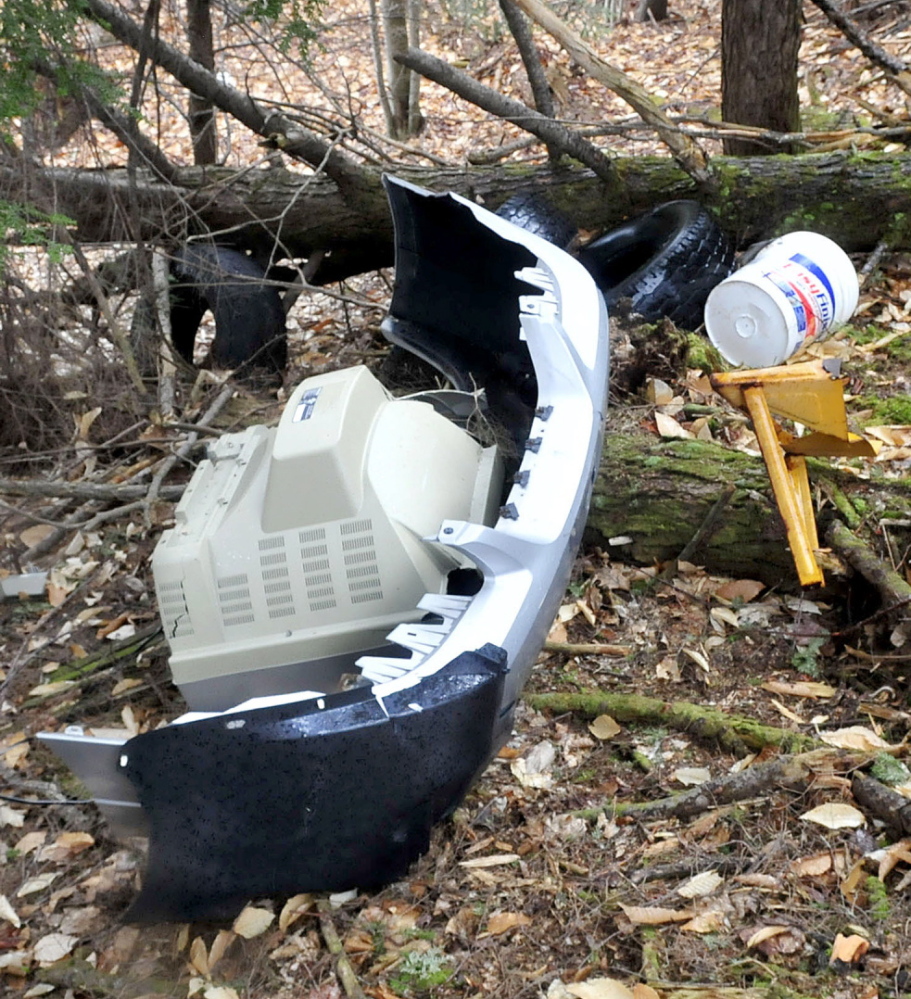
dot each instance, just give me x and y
(658, 493)
(759, 45)
(857, 199)
(201, 112)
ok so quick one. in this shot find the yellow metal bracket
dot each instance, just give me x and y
(812, 394)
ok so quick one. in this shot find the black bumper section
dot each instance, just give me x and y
(298, 798)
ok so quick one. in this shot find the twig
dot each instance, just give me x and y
(754, 782)
(895, 592)
(895, 67)
(81, 490)
(155, 490)
(511, 110)
(587, 649)
(735, 733)
(687, 153)
(343, 967)
(872, 262)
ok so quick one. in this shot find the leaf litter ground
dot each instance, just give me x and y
(541, 883)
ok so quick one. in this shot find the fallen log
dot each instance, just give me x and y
(652, 496)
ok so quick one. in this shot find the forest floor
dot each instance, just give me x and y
(545, 882)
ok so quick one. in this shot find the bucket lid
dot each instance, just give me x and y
(748, 326)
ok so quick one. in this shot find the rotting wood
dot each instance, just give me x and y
(892, 808)
(893, 589)
(343, 967)
(854, 198)
(753, 782)
(734, 733)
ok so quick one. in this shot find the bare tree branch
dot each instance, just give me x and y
(511, 110)
(287, 135)
(897, 69)
(684, 149)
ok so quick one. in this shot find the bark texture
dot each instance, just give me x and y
(658, 493)
(759, 46)
(856, 199)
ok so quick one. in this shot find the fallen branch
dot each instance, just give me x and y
(895, 592)
(690, 157)
(754, 782)
(546, 129)
(82, 490)
(897, 70)
(734, 733)
(891, 807)
(587, 649)
(343, 967)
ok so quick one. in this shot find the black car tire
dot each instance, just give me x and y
(249, 318)
(534, 213)
(666, 261)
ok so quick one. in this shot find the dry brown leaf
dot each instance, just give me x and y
(643, 991)
(53, 947)
(604, 727)
(855, 737)
(700, 885)
(647, 915)
(692, 776)
(502, 922)
(848, 949)
(599, 988)
(667, 426)
(892, 856)
(765, 933)
(8, 913)
(221, 943)
(293, 909)
(705, 922)
(835, 815)
(30, 841)
(252, 922)
(66, 846)
(127, 683)
(812, 867)
(740, 589)
(199, 957)
(855, 878)
(49, 689)
(799, 689)
(493, 860)
(39, 882)
(36, 533)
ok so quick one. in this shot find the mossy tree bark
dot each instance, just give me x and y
(658, 494)
(856, 199)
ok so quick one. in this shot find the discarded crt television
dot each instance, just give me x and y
(355, 598)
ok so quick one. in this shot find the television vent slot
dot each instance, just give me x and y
(320, 605)
(322, 577)
(281, 587)
(316, 534)
(275, 612)
(362, 598)
(274, 573)
(241, 593)
(279, 601)
(234, 608)
(231, 622)
(266, 543)
(359, 557)
(277, 559)
(225, 582)
(364, 541)
(314, 551)
(321, 591)
(363, 584)
(356, 527)
(316, 565)
(359, 571)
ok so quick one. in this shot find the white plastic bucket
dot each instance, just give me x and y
(797, 289)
